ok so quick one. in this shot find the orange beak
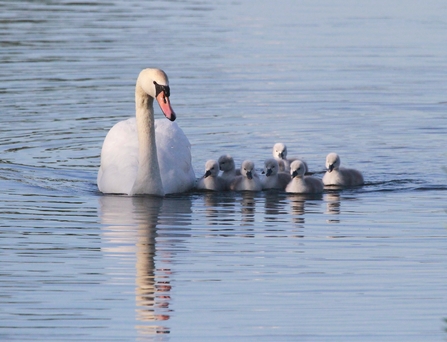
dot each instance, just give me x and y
(165, 106)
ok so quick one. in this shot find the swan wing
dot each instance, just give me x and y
(119, 158)
(174, 157)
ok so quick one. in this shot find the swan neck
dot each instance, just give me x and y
(148, 180)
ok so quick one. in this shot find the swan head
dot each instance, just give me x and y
(297, 169)
(271, 167)
(332, 162)
(226, 163)
(279, 151)
(155, 83)
(247, 169)
(211, 168)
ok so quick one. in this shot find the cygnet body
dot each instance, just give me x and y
(280, 154)
(303, 184)
(248, 180)
(228, 168)
(340, 176)
(211, 179)
(274, 179)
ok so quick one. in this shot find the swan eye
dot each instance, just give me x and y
(162, 88)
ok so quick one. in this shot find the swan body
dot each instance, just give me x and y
(228, 168)
(336, 175)
(248, 180)
(141, 155)
(280, 154)
(211, 179)
(302, 184)
(274, 179)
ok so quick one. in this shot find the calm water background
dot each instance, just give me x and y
(367, 80)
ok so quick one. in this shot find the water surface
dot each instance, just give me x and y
(364, 80)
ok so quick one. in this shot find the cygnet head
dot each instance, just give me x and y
(332, 162)
(297, 169)
(280, 151)
(247, 169)
(211, 168)
(226, 163)
(271, 167)
(155, 83)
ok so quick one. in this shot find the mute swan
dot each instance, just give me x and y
(146, 156)
(211, 180)
(303, 184)
(280, 154)
(274, 179)
(336, 175)
(228, 168)
(248, 180)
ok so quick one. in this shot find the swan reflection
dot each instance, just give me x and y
(275, 209)
(303, 203)
(248, 208)
(219, 208)
(297, 209)
(237, 213)
(145, 226)
(332, 200)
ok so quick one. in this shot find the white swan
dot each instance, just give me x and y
(280, 154)
(248, 180)
(146, 156)
(336, 175)
(211, 179)
(303, 184)
(274, 179)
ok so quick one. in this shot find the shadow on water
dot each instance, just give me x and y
(153, 228)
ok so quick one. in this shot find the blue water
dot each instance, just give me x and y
(365, 80)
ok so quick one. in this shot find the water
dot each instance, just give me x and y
(365, 80)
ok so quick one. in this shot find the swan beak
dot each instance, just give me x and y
(331, 167)
(165, 106)
(269, 172)
(249, 175)
(294, 173)
(207, 173)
